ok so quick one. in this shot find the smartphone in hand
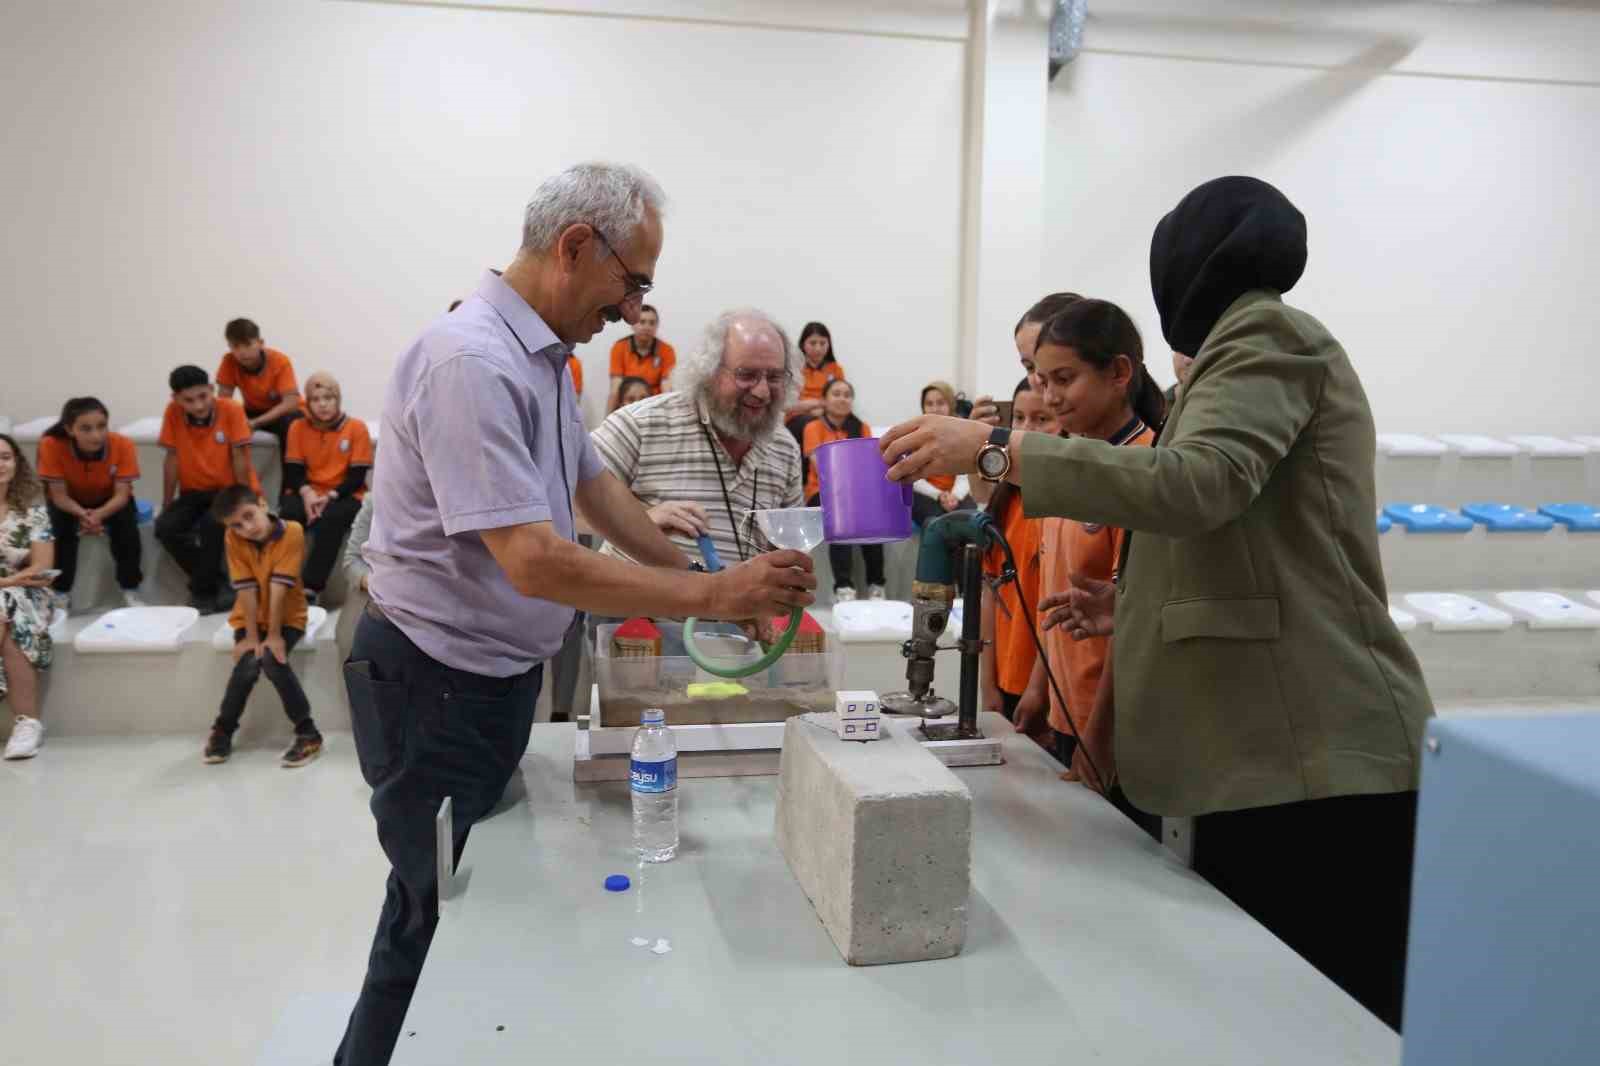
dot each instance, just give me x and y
(1004, 407)
(49, 575)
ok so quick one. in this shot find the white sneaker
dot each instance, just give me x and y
(844, 595)
(877, 592)
(25, 738)
(60, 604)
(131, 598)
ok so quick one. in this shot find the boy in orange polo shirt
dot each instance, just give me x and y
(265, 380)
(642, 355)
(88, 474)
(208, 449)
(268, 620)
(325, 476)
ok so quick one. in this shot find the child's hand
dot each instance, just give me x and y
(948, 501)
(247, 646)
(91, 524)
(1031, 715)
(274, 646)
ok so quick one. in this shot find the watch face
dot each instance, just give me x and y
(992, 462)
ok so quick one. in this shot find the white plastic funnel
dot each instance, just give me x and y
(797, 528)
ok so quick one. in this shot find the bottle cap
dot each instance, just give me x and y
(618, 883)
(653, 716)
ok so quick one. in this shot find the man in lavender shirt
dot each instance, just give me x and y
(475, 575)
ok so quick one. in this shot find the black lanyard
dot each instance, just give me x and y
(727, 501)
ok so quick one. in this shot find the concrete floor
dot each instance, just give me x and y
(157, 910)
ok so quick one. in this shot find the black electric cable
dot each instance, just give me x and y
(998, 536)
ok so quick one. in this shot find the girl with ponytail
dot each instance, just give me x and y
(1091, 362)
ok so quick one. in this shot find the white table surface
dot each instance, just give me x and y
(1087, 942)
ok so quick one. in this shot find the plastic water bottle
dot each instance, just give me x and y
(653, 777)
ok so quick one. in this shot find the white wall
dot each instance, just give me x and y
(1445, 156)
(340, 171)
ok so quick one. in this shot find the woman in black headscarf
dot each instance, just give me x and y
(1260, 684)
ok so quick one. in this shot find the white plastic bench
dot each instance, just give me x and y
(1549, 610)
(137, 630)
(316, 617)
(1410, 445)
(1404, 621)
(1451, 612)
(1478, 446)
(143, 430)
(1542, 446)
(30, 431)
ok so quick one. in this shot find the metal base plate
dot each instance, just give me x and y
(902, 703)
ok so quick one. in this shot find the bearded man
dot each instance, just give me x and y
(703, 455)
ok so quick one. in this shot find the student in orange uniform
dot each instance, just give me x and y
(269, 619)
(574, 367)
(1091, 361)
(1009, 684)
(208, 449)
(816, 371)
(933, 496)
(325, 476)
(642, 355)
(632, 390)
(88, 474)
(838, 422)
(265, 380)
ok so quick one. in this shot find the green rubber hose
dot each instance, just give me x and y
(773, 654)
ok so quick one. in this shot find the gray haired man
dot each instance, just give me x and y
(475, 574)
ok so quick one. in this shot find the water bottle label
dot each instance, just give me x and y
(653, 776)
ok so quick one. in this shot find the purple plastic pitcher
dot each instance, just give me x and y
(860, 505)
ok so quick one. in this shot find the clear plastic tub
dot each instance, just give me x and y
(796, 684)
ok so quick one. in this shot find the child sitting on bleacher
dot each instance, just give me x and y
(325, 476)
(88, 474)
(265, 380)
(208, 449)
(269, 619)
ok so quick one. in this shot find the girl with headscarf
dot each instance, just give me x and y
(324, 477)
(1260, 684)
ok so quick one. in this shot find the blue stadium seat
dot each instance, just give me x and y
(1385, 523)
(1426, 518)
(1578, 517)
(1504, 518)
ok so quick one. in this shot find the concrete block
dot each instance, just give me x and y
(880, 838)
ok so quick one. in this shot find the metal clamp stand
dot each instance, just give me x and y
(971, 648)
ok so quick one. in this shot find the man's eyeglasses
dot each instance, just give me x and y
(635, 284)
(745, 378)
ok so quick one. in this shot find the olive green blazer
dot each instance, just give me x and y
(1255, 661)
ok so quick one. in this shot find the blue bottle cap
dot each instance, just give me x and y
(618, 883)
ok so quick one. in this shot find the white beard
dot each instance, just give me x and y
(731, 423)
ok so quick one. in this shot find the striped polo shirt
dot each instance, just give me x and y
(664, 449)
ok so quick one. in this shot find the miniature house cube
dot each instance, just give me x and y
(857, 715)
